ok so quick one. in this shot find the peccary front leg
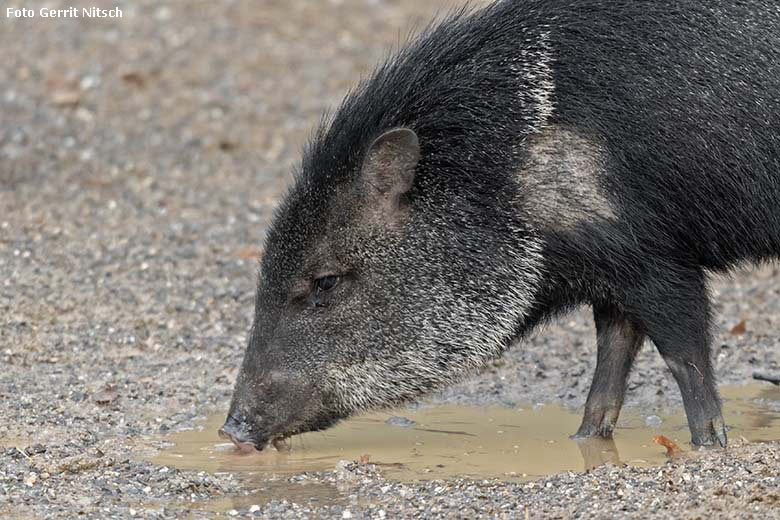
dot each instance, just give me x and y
(618, 343)
(676, 317)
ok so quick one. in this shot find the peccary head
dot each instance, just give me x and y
(378, 285)
(402, 258)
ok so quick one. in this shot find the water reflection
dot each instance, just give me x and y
(452, 441)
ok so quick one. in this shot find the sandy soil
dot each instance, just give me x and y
(140, 160)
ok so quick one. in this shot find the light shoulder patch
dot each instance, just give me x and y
(562, 181)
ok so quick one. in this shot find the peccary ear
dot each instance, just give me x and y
(388, 167)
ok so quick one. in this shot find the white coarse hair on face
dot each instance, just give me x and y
(474, 328)
(466, 322)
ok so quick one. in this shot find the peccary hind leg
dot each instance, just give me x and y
(677, 320)
(618, 343)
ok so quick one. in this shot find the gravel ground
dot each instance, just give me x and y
(140, 159)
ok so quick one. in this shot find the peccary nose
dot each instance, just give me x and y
(236, 432)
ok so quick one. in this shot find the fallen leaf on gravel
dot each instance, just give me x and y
(671, 447)
(739, 328)
(107, 396)
(250, 253)
(134, 78)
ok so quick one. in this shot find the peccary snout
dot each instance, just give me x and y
(270, 406)
(237, 431)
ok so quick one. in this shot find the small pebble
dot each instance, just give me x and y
(402, 422)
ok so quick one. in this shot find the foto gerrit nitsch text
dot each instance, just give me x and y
(70, 12)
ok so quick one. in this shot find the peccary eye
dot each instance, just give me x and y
(326, 283)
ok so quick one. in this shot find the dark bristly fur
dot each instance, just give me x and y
(508, 165)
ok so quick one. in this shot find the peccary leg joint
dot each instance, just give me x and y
(618, 343)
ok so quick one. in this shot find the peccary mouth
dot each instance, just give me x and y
(279, 442)
(241, 445)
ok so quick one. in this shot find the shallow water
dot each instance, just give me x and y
(520, 443)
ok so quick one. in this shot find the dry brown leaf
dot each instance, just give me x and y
(134, 78)
(250, 253)
(739, 328)
(671, 447)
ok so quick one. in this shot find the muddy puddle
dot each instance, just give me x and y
(439, 442)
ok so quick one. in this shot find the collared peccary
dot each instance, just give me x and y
(508, 165)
